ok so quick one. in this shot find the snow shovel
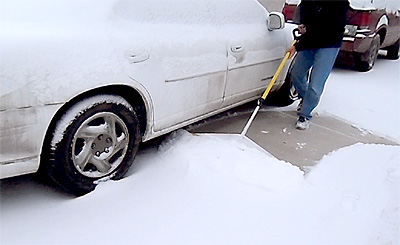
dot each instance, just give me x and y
(266, 92)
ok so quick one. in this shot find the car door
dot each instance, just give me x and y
(176, 53)
(253, 57)
(393, 28)
(193, 78)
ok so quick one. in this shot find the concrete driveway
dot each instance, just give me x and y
(273, 129)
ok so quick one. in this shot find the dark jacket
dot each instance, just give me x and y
(324, 21)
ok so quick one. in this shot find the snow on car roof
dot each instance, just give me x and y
(188, 11)
(389, 5)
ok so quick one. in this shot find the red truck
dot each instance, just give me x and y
(371, 25)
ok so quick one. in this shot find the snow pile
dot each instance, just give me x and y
(216, 189)
(358, 186)
(234, 157)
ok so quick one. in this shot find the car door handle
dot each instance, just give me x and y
(237, 49)
(137, 57)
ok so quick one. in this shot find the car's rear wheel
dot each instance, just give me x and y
(365, 61)
(285, 96)
(393, 52)
(96, 139)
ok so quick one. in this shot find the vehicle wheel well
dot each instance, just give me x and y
(128, 93)
(382, 34)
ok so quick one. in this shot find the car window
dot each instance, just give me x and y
(190, 11)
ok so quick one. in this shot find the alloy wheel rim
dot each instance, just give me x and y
(100, 145)
(373, 55)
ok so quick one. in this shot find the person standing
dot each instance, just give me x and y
(321, 26)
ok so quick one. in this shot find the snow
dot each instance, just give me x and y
(221, 189)
(368, 100)
(67, 30)
(391, 6)
(224, 189)
(76, 110)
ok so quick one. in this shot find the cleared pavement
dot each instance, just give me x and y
(274, 131)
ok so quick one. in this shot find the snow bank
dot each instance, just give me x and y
(220, 189)
(354, 192)
(235, 157)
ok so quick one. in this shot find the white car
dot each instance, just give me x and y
(84, 82)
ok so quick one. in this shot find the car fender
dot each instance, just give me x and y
(381, 27)
(383, 21)
(118, 82)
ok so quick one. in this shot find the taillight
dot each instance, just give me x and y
(365, 19)
(284, 11)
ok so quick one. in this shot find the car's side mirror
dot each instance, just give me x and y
(275, 21)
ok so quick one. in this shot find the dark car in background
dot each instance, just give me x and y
(371, 25)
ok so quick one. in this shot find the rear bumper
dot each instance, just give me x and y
(358, 44)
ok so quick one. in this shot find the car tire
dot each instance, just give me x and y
(393, 52)
(365, 61)
(95, 140)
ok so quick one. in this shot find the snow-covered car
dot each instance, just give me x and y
(371, 25)
(84, 82)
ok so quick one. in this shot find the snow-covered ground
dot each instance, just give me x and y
(221, 189)
(370, 100)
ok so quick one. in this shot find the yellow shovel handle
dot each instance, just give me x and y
(268, 89)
